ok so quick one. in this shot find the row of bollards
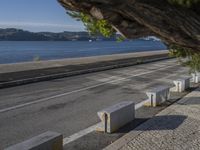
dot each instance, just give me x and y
(117, 116)
(112, 118)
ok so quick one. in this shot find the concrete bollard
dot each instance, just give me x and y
(157, 96)
(46, 141)
(181, 84)
(116, 116)
(196, 77)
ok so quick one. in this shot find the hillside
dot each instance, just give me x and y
(12, 34)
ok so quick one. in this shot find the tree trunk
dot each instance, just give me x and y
(138, 18)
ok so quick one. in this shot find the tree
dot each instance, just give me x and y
(175, 22)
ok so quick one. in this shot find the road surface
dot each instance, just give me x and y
(69, 105)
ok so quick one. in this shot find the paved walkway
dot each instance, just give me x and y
(175, 128)
(30, 72)
(35, 65)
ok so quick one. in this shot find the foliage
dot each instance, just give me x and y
(93, 25)
(186, 57)
(102, 26)
(185, 3)
(120, 38)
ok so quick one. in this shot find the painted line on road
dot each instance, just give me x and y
(80, 134)
(90, 129)
(79, 90)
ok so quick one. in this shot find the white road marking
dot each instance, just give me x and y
(79, 90)
(80, 134)
(90, 129)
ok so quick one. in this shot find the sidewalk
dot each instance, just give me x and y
(175, 128)
(30, 72)
(46, 64)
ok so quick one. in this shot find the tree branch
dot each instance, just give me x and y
(138, 18)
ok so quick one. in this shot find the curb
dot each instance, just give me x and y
(74, 73)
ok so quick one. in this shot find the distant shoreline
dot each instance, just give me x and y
(14, 34)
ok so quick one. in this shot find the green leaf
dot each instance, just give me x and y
(94, 26)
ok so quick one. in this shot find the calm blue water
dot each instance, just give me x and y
(12, 52)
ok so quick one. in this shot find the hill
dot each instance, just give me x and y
(12, 34)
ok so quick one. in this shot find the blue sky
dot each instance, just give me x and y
(36, 15)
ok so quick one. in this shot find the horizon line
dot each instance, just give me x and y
(41, 27)
(4, 28)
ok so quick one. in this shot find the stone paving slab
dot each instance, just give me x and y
(175, 128)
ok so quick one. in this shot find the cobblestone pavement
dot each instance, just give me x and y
(175, 128)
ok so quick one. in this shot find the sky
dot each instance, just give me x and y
(36, 16)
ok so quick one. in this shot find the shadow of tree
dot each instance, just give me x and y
(167, 122)
(190, 101)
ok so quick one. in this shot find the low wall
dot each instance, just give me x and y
(29, 72)
(16, 67)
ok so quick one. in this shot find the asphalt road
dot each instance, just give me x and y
(69, 105)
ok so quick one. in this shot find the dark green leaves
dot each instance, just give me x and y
(186, 57)
(94, 26)
(185, 3)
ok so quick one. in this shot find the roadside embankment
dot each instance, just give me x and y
(29, 72)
